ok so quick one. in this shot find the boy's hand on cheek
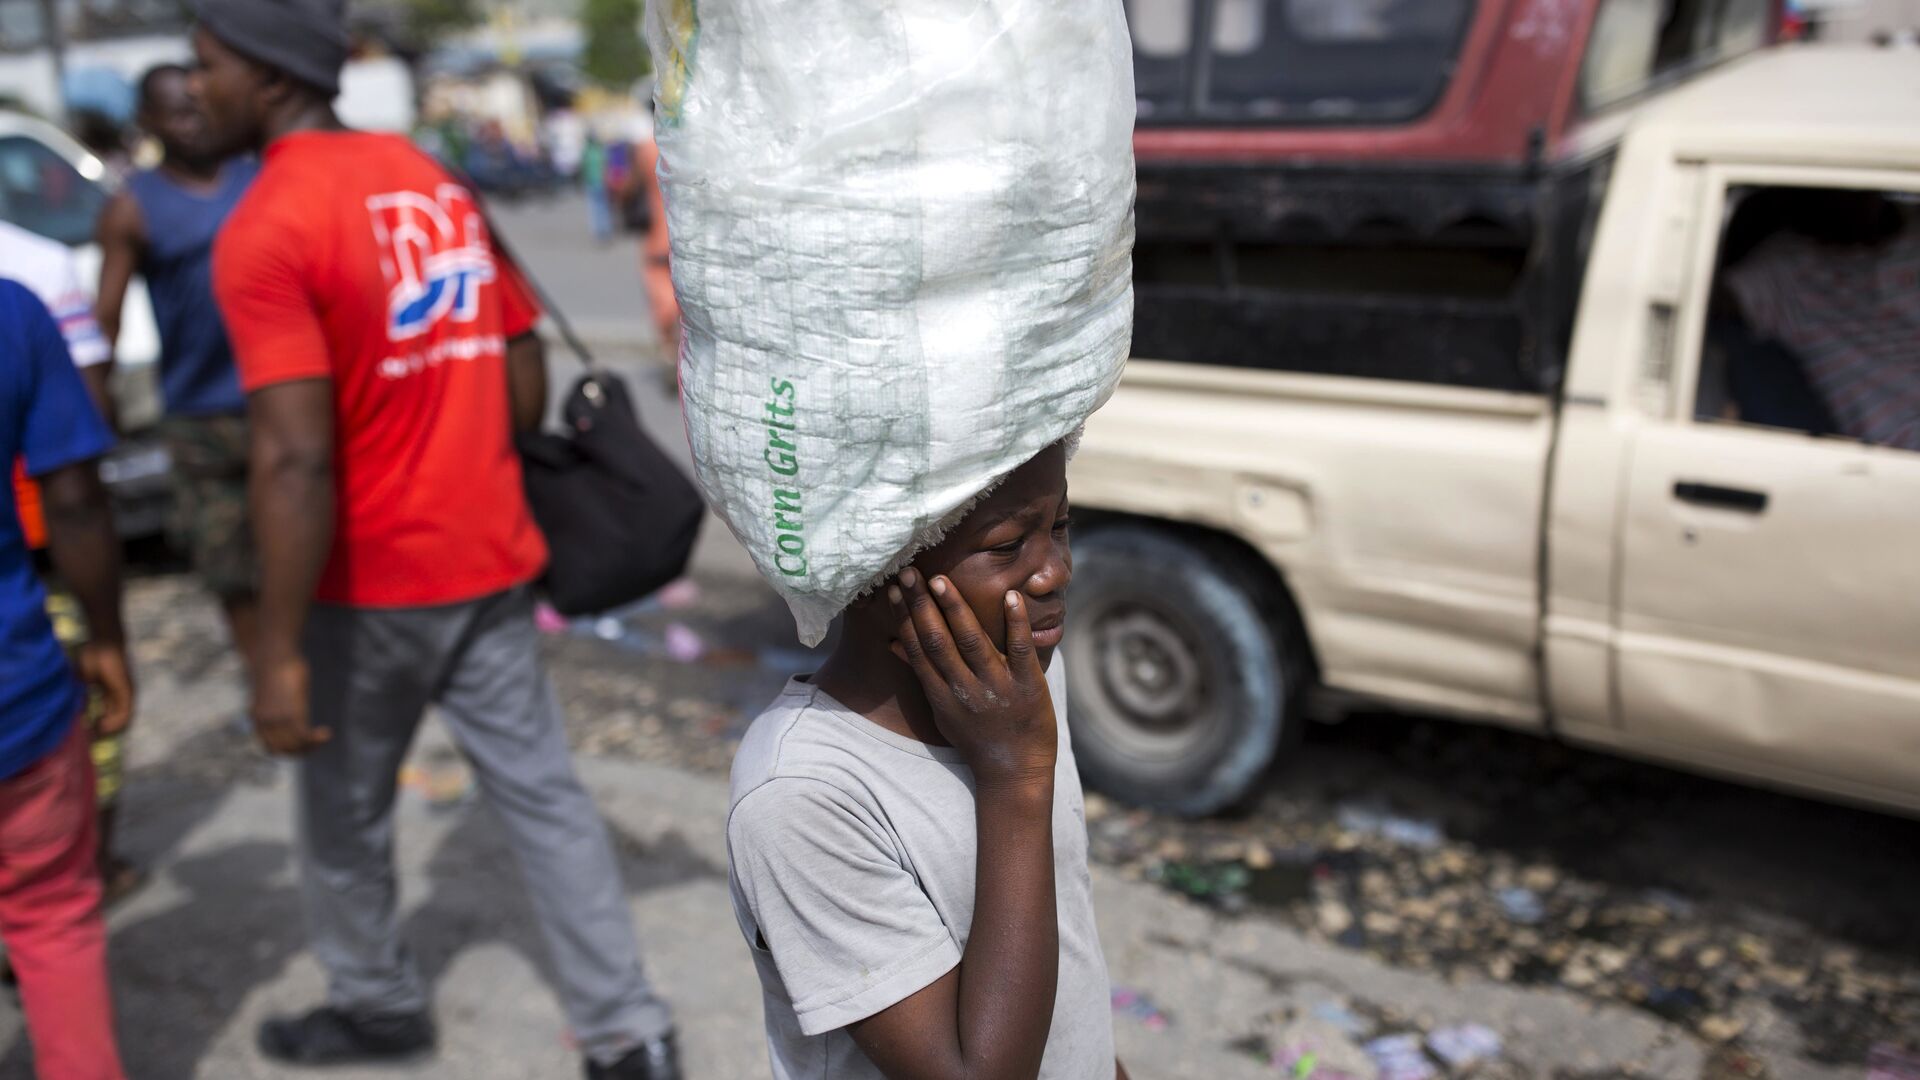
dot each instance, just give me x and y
(993, 708)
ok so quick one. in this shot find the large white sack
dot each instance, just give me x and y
(902, 242)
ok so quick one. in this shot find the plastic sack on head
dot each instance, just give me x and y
(902, 242)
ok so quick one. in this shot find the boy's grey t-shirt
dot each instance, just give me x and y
(851, 864)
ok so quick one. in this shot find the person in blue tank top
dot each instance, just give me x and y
(161, 225)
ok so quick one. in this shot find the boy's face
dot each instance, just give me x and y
(1015, 540)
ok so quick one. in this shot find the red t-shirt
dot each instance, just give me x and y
(355, 257)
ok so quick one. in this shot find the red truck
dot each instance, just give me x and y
(1389, 188)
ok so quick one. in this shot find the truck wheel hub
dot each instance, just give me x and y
(1148, 670)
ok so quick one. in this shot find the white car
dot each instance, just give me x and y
(51, 185)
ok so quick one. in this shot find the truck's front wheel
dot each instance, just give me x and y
(1181, 669)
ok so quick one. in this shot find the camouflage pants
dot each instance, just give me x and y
(210, 522)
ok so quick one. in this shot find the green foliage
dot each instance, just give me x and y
(614, 56)
(425, 22)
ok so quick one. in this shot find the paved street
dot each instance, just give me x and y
(598, 286)
(1400, 876)
(213, 944)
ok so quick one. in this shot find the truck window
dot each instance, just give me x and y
(41, 193)
(1636, 45)
(1162, 44)
(1814, 317)
(1296, 61)
(21, 22)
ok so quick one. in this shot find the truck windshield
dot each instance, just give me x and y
(1639, 44)
(1356, 61)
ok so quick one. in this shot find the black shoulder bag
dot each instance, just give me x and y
(619, 515)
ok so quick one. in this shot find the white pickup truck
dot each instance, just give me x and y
(1696, 540)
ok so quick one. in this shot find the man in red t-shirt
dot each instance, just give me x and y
(387, 354)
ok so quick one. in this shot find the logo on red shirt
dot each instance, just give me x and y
(435, 255)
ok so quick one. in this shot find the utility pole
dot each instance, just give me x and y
(56, 38)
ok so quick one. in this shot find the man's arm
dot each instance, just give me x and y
(291, 496)
(989, 1017)
(122, 234)
(527, 380)
(86, 555)
(261, 278)
(99, 380)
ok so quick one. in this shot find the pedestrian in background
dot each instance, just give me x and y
(49, 270)
(50, 892)
(593, 180)
(161, 225)
(388, 355)
(656, 251)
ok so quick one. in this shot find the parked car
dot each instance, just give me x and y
(1508, 473)
(51, 185)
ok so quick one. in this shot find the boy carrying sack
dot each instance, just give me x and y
(908, 843)
(902, 244)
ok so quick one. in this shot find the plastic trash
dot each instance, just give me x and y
(902, 246)
(1463, 1045)
(1889, 1062)
(1304, 1062)
(1343, 1019)
(547, 620)
(1375, 821)
(678, 594)
(444, 784)
(683, 645)
(1399, 1057)
(1311, 1049)
(1521, 905)
(1222, 884)
(1137, 1006)
(1670, 902)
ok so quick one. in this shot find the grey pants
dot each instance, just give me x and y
(374, 672)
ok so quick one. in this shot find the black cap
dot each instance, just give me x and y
(307, 39)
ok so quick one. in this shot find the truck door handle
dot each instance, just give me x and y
(1729, 498)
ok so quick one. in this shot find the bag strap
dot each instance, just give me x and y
(499, 241)
(552, 310)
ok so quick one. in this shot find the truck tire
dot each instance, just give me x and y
(1182, 668)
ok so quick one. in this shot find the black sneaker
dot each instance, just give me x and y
(327, 1036)
(655, 1059)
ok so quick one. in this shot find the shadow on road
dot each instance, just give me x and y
(1473, 849)
(475, 894)
(1847, 873)
(182, 974)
